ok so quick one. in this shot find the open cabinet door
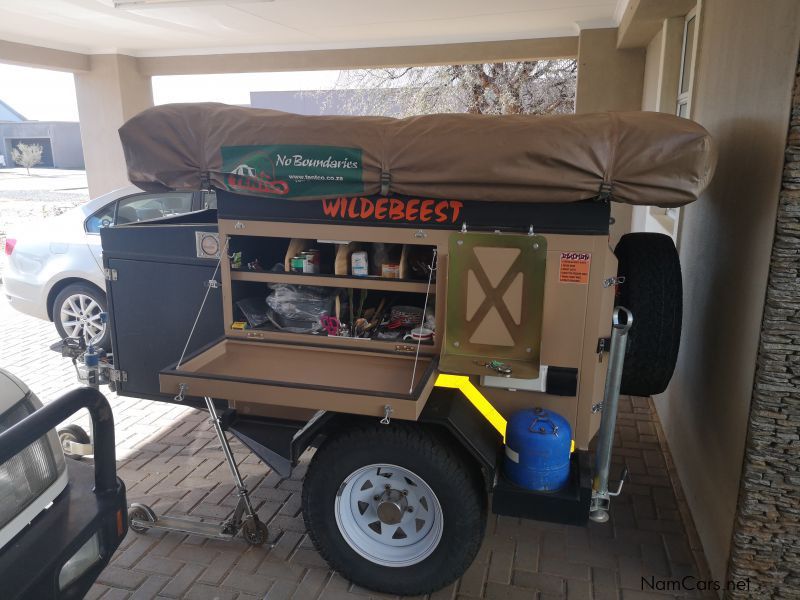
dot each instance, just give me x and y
(495, 294)
(156, 288)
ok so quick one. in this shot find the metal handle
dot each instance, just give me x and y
(541, 429)
(622, 326)
(34, 426)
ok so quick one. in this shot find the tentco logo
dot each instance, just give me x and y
(293, 170)
(244, 178)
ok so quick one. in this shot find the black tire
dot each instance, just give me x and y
(81, 289)
(653, 292)
(255, 532)
(73, 433)
(441, 465)
(140, 512)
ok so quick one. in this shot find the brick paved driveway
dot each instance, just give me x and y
(169, 458)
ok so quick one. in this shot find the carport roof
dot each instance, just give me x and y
(176, 27)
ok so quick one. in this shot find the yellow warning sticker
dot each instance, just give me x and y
(574, 267)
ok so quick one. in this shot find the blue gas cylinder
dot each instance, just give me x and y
(538, 445)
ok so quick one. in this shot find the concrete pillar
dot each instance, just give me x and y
(609, 79)
(110, 93)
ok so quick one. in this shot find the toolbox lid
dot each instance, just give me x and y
(632, 157)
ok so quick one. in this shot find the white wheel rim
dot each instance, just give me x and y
(80, 318)
(380, 538)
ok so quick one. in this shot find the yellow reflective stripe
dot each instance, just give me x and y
(479, 401)
(572, 447)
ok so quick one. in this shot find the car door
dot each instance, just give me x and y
(132, 209)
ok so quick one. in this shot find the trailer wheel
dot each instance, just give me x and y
(653, 291)
(395, 509)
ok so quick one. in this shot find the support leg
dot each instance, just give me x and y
(244, 497)
(601, 497)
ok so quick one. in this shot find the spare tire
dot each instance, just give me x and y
(653, 292)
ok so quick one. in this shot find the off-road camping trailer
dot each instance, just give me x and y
(406, 296)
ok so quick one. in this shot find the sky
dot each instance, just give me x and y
(44, 95)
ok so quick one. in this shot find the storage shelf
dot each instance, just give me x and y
(338, 281)
(267, 335)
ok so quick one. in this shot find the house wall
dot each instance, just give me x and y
(650, 101)
(742, 89)
(652, 72)
(65, 141)
(609, 79)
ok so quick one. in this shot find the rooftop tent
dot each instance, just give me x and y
(631, 157)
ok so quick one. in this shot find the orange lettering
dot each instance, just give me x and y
(395, 209)
(425, 210)
(367, 208)
(330, 207)
(411, 210)
(441, 215)
(380, 209)
(351, 212)
(456, 206)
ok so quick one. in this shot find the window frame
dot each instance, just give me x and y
(687, 64)
(192, 207)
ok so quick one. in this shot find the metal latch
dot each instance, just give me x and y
(615, 281)
(117, 375)
(110, 274)
(603, 345)
(182, 389)
(212, 283)
(497, 366)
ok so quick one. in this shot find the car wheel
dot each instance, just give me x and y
(653, 291)
(76, 313)
(395, 509)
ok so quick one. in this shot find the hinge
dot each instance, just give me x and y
(619, 280)
(117, 375)
(110, 274)
(212, 283)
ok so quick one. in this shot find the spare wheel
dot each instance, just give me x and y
(653, 292)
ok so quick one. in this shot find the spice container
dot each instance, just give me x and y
(390, 271)
(311, 264)
(359, 264)
(297, 264)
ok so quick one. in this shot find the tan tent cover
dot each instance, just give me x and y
(639, 157)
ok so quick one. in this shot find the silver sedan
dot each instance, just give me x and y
(54, 269)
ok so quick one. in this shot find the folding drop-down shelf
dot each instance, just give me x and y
(306, 376)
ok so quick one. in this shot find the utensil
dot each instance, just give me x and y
(419, 334)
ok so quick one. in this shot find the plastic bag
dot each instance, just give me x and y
(299, 308)
(254, 310)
